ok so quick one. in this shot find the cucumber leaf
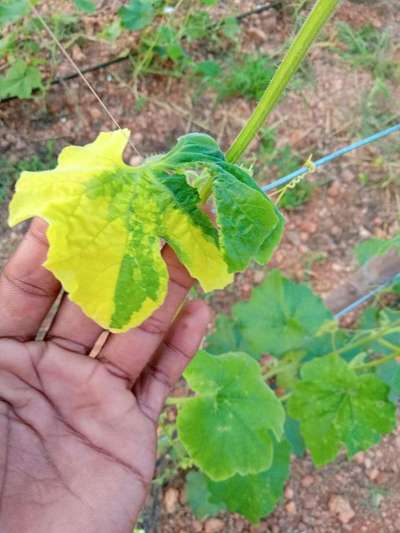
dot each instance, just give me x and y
(85, 5)
(107, 219)
(198, 496)
(12, 10)
(234, 412)
(281, 316)
(227, 337)
(137, 14)
(256, 495)
(337, 407)
(20, 80)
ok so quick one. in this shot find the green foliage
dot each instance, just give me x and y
(245, 76)
(367, 48)
(13, 10)
(281, 317)
(137, 14)
(228, 337)
(85, 5)
(197, 26)
(230, 395)
(336, 407)
(378, 108)
(20, 80)
(256, 495)
(389, 373)
(375, 247)
(198, 496)
(253, 496)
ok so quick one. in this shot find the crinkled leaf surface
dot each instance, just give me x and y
(198, 496)
(255, 496)
(106, 221)
(245, 221)
(226, 428)
(337, 407)
(280, 316)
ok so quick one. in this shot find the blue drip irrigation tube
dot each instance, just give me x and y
(323, 161)
(330, 157)
(366, 297)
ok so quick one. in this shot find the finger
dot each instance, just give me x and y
(72, 329)
(27, 289)
(174, 354)
(130, 352)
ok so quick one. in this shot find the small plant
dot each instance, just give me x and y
(367, 48)
(337, 387)
(245, 76)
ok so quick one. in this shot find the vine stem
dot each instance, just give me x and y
(319, 15)
(278, 369)
(377, 362)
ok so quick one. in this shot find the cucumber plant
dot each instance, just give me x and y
(334, 389)
(321, 391)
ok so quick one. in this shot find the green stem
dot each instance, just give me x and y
(377, 362)
(366, 340)
(322, 10)
(278, 369)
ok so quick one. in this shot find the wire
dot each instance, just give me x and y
(330, 157)
(366, 297)
(80, 74)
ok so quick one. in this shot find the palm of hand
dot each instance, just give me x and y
(78, 435)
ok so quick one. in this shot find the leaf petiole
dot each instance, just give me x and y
(321, 12)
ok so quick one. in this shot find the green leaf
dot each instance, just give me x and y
(337, 407)
(375, 247)
(281, 316)
(85, 5)
(12, 10)
(255, 496)
(197, 26)
(236, 204)
(230, 27)
(209, 2)
(198, 496)
(226, 428)
(293, 435)
(227, 337)
(20, 80)
(137, 14)
(389, 373)
(126, 212)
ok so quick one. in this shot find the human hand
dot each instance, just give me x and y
(78, 434)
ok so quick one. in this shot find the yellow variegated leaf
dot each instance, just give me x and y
(106, 220)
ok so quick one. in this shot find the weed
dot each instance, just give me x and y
(368, 48)
(244, 76)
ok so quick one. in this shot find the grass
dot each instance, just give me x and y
(368, 48)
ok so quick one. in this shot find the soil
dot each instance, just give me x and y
(320, 116)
